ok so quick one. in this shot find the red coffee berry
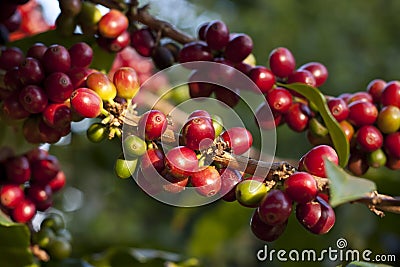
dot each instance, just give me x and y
(327, 219)
(33, 98)
(301, 187)
(39, 195)
(126, 82)
(229, 97)
(207, 181)
(362, 113)
(302, 76)
(198, 133)
(143, 41)
(314, 159)
(199, 89)
(173, 184)
(13, 109)
(18, 170)
(358, 163)
(30, 71)
(24, 211)
(57, 115)
(229, 179)
(43, 171)
(296, 118)
(279, 99)
(375, 89)
(181, 161)
(318, 70)
(266, 119)
(217, 35)
(58, 182)
(282, 62)
(199, 114)
(238, 48)
(239, 139)
(10, 57)
(81, 55)
(263, 78)
(275, 208)
(152, 159)
(264, 231)
(58, 87)
(201, 31)
(369, 138)
(37, 51)
(391, 94)
(392, 144)
(56, 59)
(86, 103)
(195, 51)
(152, 124)
(112, 24)
(359, 96)
(309, 213)
(338, 108)
(11, 195)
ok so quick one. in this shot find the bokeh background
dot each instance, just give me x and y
(357, 40)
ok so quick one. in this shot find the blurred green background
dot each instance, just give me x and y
(357, 40)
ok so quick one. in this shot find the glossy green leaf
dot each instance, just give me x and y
(345, 187)
(338, 137)
(14, 244)
(126, 256)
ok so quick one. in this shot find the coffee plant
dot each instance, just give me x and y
(93, 68)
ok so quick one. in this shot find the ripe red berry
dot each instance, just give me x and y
(11, 195)
(173, 184)
(338, 108)
(152, 159)
(362, 113)
(314, 159)
(375, 89)
(37, 51)
(207, 181)
(86, 103)
(296, 118)
(39, 194)
(58, 87)
(327, 219)
(126, 82)
(217, 35)
(238, 47)
(181, 161)
(391, 94)
(264, 231)
(275, 208)
(301, 187)
(263, 78)
(33, 98)
(195, 51)
(309, 213)
(56, 59)
(143, 41)
(24, 211)
(229, 179)
(266, 119)
(81, 55)
(18, 170)
(112, 24)
(239, 139)
(302, 76)
(392, 144)
(30, 71)
(199, 89)
(152, 124)
(198, 133)
(13, 109)
(57, 115)
(369, 138)
(282, 62)
(10, 57)
(58, 182)
(318, 70)
(44, 170)
(279, 99)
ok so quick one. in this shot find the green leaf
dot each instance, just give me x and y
(14, 244)
(126, 256)
(338, 137)
(365, 264)
(345, 187)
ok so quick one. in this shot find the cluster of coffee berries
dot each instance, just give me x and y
(44, 89)
(217, 44)
(53, 237)
(274, 201)
(171, 169)
(28, 182)
(10, 18)
(163, 53)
